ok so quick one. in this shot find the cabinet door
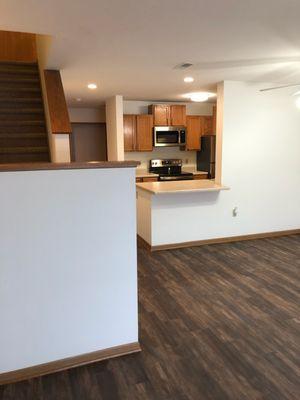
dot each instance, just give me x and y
(193, 133)
(129, 125)
(207, 125)
(144, 124)
(178, 115)
(161, 114)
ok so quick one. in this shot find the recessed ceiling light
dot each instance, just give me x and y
(199, 96)
(78, 98)
(188, 79)
(92, 86)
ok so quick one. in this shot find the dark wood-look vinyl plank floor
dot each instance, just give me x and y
(217, 322)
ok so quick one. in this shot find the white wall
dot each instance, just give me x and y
(68, 269)
(84, 114)
(261, 165)
(188, 157)
(114, 128)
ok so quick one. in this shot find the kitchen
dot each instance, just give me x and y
(176, 145)
(166, 140)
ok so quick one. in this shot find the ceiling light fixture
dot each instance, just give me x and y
(78, 99)
(199, 96)
(92, 86)
(188, 79)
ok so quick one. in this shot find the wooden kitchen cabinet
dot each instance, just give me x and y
(137, 132)
(129, 127)
(193, 132)
(200, 176)
(161, 114)
(146, 179)
(197, 125)
(168, 115)
(207, 125)
(144, 137)
(178, 115)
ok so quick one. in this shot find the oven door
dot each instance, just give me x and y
(167, 136)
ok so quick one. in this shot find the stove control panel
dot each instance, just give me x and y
(176, 162)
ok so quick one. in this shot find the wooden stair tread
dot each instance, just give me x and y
(10, 88)
(23, 135)
(22, 122)
(20, 99)
(18, 79)
(36, 110)
(22, 150)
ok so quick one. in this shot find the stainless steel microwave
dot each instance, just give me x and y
(169, 136)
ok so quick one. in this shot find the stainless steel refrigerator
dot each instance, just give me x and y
(206, 157)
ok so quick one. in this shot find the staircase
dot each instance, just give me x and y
(23, 133)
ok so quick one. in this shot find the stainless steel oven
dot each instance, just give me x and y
(169, 136)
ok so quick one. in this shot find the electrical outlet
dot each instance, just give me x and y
(235, 212)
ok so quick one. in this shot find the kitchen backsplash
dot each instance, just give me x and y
(188, 157)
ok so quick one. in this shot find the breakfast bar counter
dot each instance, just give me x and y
(187, 186)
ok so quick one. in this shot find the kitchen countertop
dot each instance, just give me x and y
(190, 186)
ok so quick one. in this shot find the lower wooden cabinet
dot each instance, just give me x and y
(200, 176)
(138, 132)
(146, 179)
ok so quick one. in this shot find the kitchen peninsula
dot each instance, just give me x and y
(172, 214)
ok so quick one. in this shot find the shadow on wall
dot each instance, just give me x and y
(190, 200)
(88, 142)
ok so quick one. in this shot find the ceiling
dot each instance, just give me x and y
(130, 47)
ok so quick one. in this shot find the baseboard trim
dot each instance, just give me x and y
(67, 363)
(221, 240)
(142, 242)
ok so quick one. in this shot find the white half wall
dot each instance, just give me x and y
(68, 268)
(60, 144)
(260, 164)
(114, 128)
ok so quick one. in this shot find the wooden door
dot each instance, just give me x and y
(193, 134)
(161, 114)
(144, 125)
(207, 125)
(129, 124)
(178, 115)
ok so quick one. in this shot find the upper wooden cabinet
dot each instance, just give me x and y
(207, 125)
(197, 125)
(193, 132)
(137, 132)
(144, 125)
(168, 115)
(177, 115)
(161, 114)
(129, 128)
